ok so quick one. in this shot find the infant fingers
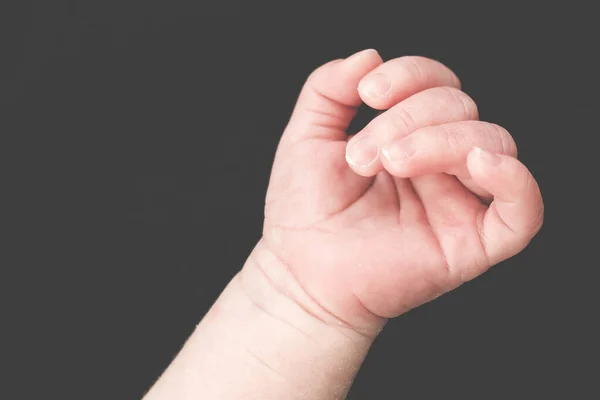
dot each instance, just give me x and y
(444, 148)
(517, 212)
(402, 77)
(430, 107)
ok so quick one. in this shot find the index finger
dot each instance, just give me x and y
(400, 78)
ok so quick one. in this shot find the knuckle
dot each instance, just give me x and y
(455, 137)
(463, 100)
(414, 66)
(401, 120)
(534, 225)
(539, 222)
(506, 143)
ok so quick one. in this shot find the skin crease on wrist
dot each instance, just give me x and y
(256, 342)
(359, 230)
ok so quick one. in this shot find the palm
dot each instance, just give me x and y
(368, 242)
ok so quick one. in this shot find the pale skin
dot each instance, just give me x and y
(359, 230)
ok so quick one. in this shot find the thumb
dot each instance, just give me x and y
(516, 214)
(329, 99)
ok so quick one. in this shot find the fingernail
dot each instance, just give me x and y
(487, 157)
(357, 56)
(399, 150)
(361, 152)
(376, 85)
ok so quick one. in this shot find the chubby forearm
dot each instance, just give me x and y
(264, 339)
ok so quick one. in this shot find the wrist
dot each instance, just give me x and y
(264, 338)
(268, 284)
(289, 333)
